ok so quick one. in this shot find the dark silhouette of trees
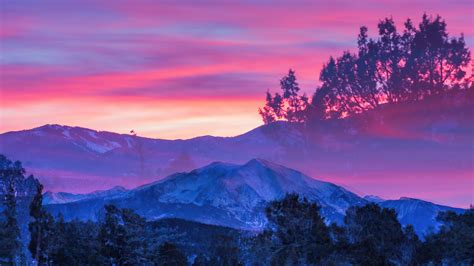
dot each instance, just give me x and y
(121, 237)
(170, 255)
(11, 174)
(228, 253)
(10, 232)
(370, 235)
(75, 243)
(289, 106)
(376, 231)
(397, 66)
(296, 232)
(41, 228)
(454, 243)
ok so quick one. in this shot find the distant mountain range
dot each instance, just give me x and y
(235, 196)
(65, 197)
(411, 144)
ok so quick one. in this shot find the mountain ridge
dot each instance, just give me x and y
(234, 195)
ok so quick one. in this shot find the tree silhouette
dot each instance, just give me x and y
(11, 174)
(296, 232)
(288, 106)
(408, 66)
(170, 255)
(41, 228)
(376, 231)
(121, 237)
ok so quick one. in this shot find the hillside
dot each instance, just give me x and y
(236, 195)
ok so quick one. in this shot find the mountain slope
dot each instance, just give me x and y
(235, 195)
(421, 214)
(65, 197)
(221, 194)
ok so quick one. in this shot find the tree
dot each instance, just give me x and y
(454, 243)
(290, 88)
(10, 232)
(392, 51)
(227, 251)
(11, 174)
(438, 60)
(75, 243)
(374, 233)
(273, 109)
(410, 247)
(408, 66)
(289, 106)
(298, 232)
(170, 255)
(121, 237)
(41, 228)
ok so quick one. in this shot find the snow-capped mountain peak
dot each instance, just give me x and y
(236, 195)
(239, 192)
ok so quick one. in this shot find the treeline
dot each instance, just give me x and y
(395, 67)
(296, 234)
(120, 238)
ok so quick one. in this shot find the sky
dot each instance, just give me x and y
(177, 69)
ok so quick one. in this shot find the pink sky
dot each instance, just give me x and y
(176, 70)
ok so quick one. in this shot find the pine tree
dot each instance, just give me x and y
(121, 237)
(298, 232)
(273, 109)
(454, 243)
(112, 236)
(290, 88)
(10, 232)
(11, 174)
(397, 66)
(375, 234)
(41, 228)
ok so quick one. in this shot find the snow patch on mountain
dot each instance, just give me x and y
(373, 198)
(103, 147)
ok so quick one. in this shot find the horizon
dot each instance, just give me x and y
(176, 71)
(129, 132)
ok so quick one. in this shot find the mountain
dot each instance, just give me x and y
(221, 194)
(421, 214)
(235, 196)
(65, 197)
(405, 143)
